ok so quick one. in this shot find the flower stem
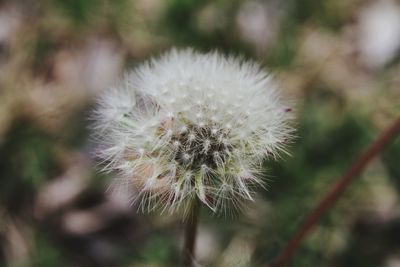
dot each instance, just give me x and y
(190, 235)
(330, 198)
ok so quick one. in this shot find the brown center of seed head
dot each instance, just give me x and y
(199, 146)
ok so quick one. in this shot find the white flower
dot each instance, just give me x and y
(189, 125)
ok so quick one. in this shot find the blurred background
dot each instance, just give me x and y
(338, 61)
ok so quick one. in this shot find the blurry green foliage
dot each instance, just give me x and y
(45, 254)
(78, 10)
(27, 160)
(326, 14)
(42, 51)
(180, 22)
(159, 250)
(391, 159)
(83, 14)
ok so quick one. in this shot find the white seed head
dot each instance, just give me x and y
(189, 125)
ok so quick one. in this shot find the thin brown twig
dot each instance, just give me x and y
(330, 198)
(188, 256)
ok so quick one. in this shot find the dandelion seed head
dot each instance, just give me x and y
(189, 125)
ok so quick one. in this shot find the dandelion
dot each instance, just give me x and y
(189, 126)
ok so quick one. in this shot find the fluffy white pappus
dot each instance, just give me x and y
(190, 126)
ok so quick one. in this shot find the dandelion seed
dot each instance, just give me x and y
(189, 125)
